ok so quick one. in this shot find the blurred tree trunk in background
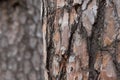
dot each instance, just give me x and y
(21, 42)
(59, 40)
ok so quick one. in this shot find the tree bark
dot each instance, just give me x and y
(59, 40)
(21, 40)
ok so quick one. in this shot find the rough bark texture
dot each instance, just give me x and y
(59, 40)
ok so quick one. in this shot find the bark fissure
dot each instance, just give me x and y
(50, 48)
(49, 38)
(93, 40)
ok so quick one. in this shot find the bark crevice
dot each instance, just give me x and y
(93, 40)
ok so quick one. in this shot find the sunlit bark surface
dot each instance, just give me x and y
(60, 40)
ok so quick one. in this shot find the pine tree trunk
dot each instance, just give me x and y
(59, 40)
